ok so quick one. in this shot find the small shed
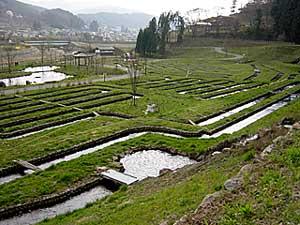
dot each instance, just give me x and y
(84, 59)
(105, 51)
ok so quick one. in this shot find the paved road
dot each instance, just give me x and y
(235, 56)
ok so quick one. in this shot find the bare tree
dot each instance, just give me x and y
(42, 48)
(10, 54)
(193, 17)
(2, 58)
(145, 66)
(133, 73)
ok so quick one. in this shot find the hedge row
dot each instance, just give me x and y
(44, 126)
(17, 100)
(25, 112)
(20, 106)
(88, 99)
(108, 102)
(36, 118)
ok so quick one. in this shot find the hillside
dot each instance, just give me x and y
(132, 20)
(28, 12)
(59, 18)
(20, 14)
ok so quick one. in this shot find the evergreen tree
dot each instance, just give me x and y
(163, 29)
(153, 39)
(296, 24)
(286, 15)
(257, 23)
(139, 42)
(94, 26)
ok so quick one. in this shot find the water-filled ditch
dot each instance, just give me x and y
(140, 164)
(77, 202)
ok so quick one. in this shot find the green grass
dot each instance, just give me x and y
(91, 72)
(270, 192)
(154, 200)
(157, 200)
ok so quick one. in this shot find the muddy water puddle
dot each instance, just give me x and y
(40, 75)
(149, 163)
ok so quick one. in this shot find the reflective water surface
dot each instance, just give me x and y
(148, 163)
(77, 202)
(40, 75)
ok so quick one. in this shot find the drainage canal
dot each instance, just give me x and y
(74, 203)
(140, 165)
(242, 107)
(229, 113)
(44, 166)
(234, 92)
(228, 130)
(251, 119)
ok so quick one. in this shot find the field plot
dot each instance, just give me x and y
(209, 121)
(24, 115)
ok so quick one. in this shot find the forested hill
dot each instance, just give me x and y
(26, 15)
(132, 20)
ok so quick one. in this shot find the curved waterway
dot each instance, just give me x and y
(140, 164)
(229, 130)
(74, 203)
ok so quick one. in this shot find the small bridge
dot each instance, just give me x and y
(118, 177)
(26, 165)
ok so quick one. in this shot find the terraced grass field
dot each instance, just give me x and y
(198, 91)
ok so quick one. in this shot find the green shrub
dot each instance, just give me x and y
(293, 156)
(246, 210)
(249, 155)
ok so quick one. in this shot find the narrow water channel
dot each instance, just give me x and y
(241, 108)
(229, 113)
(74, 203)
(229, 130)
(251, 119)
(140, 164)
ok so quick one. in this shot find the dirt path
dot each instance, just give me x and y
(235, 56)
